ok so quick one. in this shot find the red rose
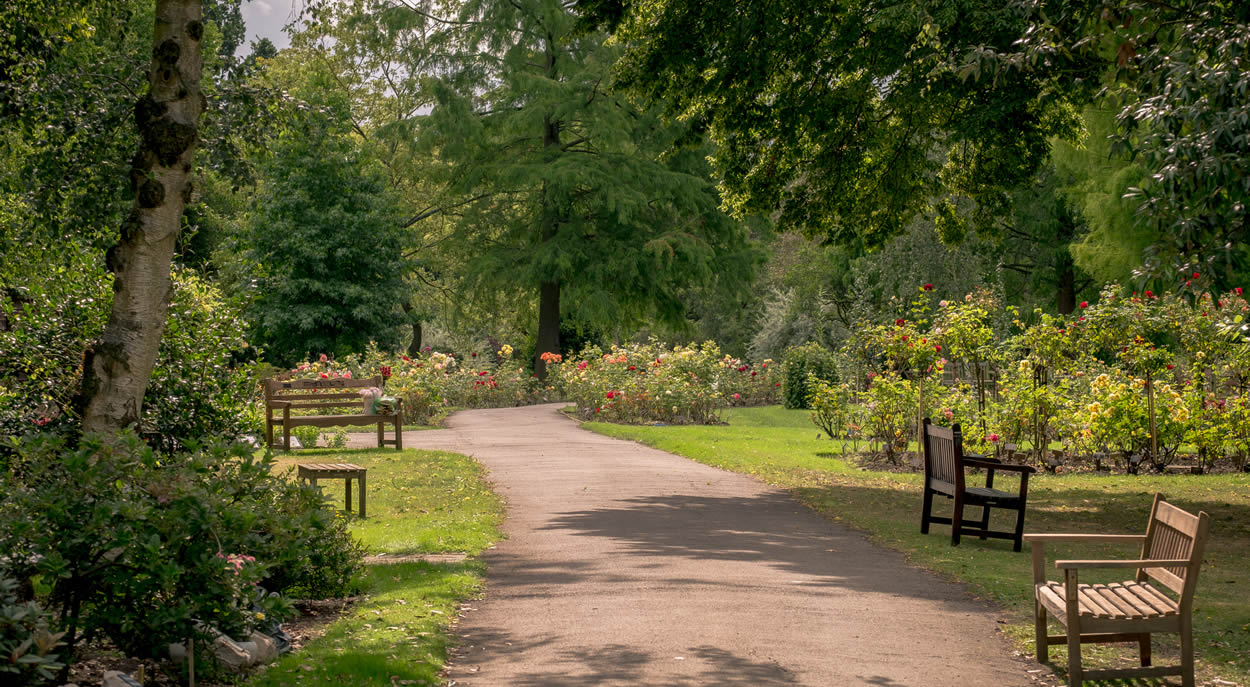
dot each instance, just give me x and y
(1195, 275)
(928, 287)
(1084, 304)
(1150, 294)
(899, 321)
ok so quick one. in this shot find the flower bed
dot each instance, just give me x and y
(1133, 378)
(654, 383)
(430, 382)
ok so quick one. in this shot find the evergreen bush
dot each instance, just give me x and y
(799, 363)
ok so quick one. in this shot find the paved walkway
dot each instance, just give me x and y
(625, 565)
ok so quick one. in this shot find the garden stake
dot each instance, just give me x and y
(1150, 402)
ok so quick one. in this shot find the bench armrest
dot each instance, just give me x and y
(278, 404)
(1139, 563)
(1037, 543)
(996, 466)
(1047, 537)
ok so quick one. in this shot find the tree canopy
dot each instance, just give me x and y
(846, 118)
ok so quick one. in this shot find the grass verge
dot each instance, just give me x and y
(782, 447)
(419, 502)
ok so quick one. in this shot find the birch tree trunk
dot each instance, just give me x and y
(118, 366)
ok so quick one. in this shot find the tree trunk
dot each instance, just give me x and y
(117, 367)
(414, 346)
(548, 325)
(1066, 301)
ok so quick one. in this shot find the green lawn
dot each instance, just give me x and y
(782, 447)
(419, 502)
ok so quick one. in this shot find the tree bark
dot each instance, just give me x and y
(414, 348)
(548, 325)
(118, 366)
(1067, 289)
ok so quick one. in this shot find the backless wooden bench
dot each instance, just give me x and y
(311, 472)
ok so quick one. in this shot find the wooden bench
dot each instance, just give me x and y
(324, 394)
(944, 467)
(1171, 552)
(311, 472)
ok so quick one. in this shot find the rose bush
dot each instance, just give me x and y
(654, 383)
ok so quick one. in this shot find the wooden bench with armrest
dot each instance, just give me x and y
(944, 474)
(292, 397)
(1130, 611)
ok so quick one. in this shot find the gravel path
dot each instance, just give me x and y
(625, 565)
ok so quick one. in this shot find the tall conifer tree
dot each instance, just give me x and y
(561, 187)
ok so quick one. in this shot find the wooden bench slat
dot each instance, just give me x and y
(314, 396)
(1090, 603)
(1140, 608)
(1120, 607)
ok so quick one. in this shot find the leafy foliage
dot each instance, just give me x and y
(145, 551)
(1178, 74)
(848, 118)
(26, 640)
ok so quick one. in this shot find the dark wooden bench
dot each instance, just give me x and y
(1129, 611)
(294, 396)
(311, 472)
(944, 474)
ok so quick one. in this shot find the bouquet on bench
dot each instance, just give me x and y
(375, 403)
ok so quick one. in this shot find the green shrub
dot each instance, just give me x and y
(148, 550)
(799, 363)
(307, 435)
(831, 408)
(199, 386)
(26, 643)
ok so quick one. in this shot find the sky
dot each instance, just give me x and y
(265, 18)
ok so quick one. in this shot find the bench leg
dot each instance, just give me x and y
(1143, 643)
(1018, 540)
(381, 436)
(1187, 651)
(1039, 630)
(957, 520)
(361, 480)
(347, 481)
(985, 521)
(399, 434)
(924, 511)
